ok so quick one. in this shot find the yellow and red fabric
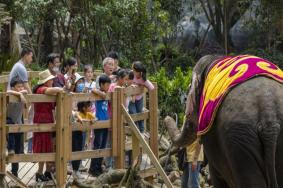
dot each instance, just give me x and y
(223, 75)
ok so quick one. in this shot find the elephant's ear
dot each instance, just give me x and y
(193, 95)
(198, 79)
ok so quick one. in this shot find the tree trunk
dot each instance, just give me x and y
(5, 43)
(47, 41)
(5, 39)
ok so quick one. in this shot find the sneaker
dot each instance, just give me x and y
(82, 168)
(11, 152)
(48, 175)
(77, 175)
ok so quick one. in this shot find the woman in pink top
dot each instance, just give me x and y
(140, 79)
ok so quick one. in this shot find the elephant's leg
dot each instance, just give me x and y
(279, 160)
(220, 172)
(245, 156)
(269, 132)
(216, 179)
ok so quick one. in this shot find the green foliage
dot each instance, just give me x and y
(96, 27)
(35, 67)
(172, 91)
(4, 15)
(170, 57)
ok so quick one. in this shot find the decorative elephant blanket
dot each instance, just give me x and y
(223, 75)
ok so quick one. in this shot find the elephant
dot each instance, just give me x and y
(244, 145)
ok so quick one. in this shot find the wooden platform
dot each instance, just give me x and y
(27, 172)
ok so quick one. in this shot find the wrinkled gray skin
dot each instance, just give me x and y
(245, 144)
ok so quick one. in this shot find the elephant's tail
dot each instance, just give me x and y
(268, 133)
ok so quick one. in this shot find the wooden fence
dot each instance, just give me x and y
(63, 129)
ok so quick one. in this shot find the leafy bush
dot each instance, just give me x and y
(170, 57)
(172, 91)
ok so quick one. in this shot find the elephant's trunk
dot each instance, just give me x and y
(180, 139)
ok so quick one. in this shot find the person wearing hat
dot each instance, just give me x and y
(43, 113)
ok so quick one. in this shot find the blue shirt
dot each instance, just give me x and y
(102, 110)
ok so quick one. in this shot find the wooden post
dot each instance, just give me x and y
(5, 86)
(145, 106)
(153, 120)
(3, 133)
(114, 123)
(62, 127)
(67, 128)
(135, 147)
(120, 160)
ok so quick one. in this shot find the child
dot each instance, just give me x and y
(89, 86)
(79, 86)
(43, 113)
(141, 80)
(84, 114)
(14, 116)
(102, 113)
(130, 82)
(89, 82)
(121, 80)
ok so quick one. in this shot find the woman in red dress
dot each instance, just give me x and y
(43, 113)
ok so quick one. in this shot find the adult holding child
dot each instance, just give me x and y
(71, 74)
(43, 113)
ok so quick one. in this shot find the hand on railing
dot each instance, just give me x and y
(23, 99)
(93, 120)
(99, 93)
(134, 86)
(20, 94)
(80, 120)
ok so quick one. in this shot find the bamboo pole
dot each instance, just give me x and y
(146, 148)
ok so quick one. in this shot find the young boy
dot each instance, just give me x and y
(102, 113)
(14, 116)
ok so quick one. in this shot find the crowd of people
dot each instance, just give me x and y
(64, 77)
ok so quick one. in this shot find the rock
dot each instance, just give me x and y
(177, 182)
(174, 175)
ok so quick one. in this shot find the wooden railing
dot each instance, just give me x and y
(64, 128)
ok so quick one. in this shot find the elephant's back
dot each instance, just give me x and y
(256, 100)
